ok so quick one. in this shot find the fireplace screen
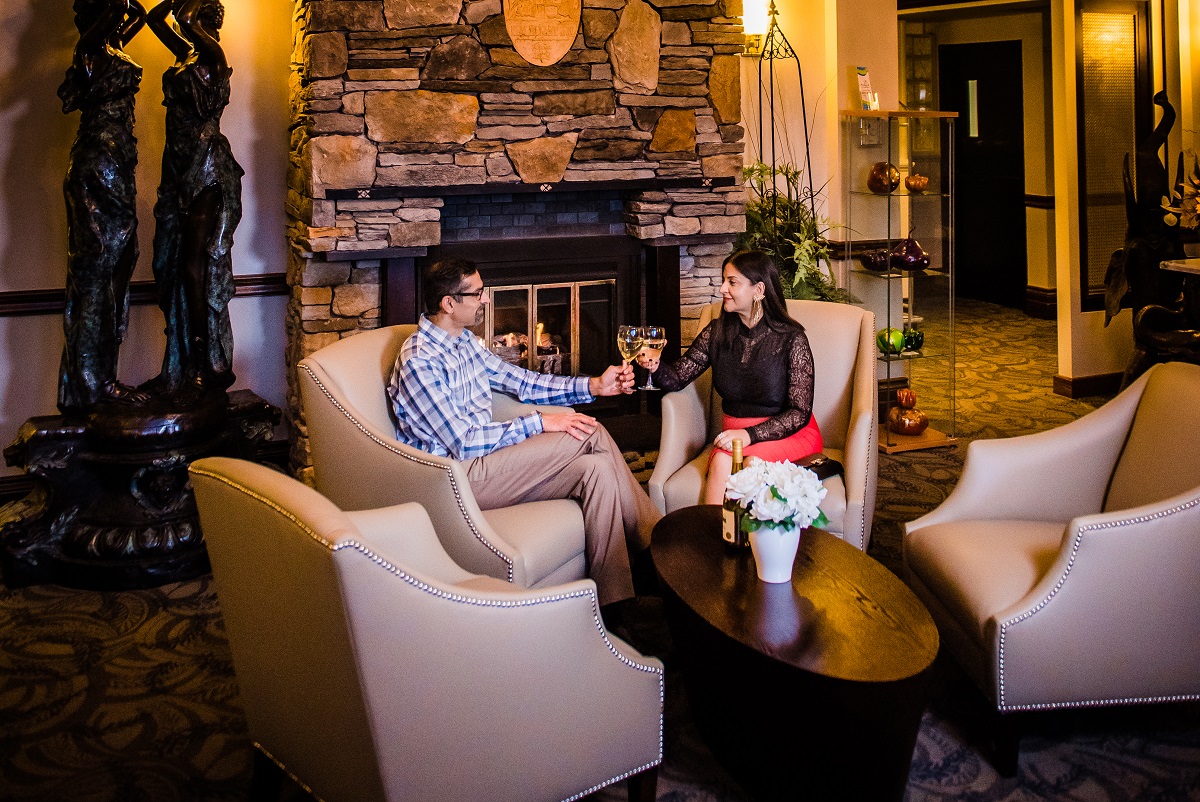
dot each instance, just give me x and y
(562, 328)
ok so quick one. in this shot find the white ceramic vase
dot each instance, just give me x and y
(774, 552)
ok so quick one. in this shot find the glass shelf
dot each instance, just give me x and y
(866, 193)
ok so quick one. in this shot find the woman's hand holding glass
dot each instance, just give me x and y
(648, 360)
(654, 339)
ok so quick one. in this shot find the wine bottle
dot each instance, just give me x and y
(731, 511)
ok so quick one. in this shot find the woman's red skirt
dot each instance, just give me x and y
(793, 447)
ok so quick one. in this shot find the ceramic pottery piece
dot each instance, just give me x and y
(883, 178)
(907, 421)
(905, 418)
(876, 260)
(909, 255)
(916, 183)
(774, 552)
(889, 341)
(913, 339)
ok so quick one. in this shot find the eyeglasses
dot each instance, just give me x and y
(478, 295)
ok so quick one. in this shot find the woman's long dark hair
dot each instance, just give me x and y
(757, 266)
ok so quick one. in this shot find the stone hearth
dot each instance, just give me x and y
(419, 124)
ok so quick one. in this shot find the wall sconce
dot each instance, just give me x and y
(755, 21)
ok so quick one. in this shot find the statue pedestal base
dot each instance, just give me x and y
(112, 508)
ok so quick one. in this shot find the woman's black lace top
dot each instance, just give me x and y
(765, 372)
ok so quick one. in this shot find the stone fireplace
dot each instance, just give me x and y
(421, 131)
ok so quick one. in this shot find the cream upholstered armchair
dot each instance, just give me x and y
(1064, 569)
(359, 464)
(842, 338)
(372, 667)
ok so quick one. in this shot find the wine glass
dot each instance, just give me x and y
(629, 342)
(654, 338)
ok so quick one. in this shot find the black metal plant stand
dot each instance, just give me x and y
(776, 48)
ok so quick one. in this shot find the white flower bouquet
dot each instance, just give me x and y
(777, 495)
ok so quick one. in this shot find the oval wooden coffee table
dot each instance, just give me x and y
(812, 690)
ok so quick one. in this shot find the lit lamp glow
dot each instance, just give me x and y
(754, 23)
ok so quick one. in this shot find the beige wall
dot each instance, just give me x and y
(866, 37)
(1189, 62)
(1086, 347)
(830, 36)
(36, 41)
(804, 23)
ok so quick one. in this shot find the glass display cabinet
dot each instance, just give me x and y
(898, 188)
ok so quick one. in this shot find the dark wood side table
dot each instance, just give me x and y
(812, 690)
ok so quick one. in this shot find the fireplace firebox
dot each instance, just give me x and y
(563, 328)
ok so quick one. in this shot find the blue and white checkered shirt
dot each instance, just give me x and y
(440, 394)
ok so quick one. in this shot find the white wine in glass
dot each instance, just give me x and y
(654, 339)
(629, 342)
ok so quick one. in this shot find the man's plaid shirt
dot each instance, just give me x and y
(440, 394)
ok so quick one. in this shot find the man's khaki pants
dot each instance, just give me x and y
(617, 513)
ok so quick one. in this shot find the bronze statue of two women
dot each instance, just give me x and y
(198, 207)
(101, 200)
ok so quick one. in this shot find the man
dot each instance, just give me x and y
(440, 393)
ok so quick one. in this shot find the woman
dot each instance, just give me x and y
(101, 198)
(762, 368)
(199, 203)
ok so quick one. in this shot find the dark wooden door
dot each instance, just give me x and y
(989, 209)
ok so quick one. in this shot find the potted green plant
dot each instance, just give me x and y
(781, 219)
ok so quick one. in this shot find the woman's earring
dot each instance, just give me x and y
(756, 311)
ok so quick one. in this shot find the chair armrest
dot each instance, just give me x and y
(861, 463)
(1122, 598)
(861, 456)
(359, 466)
(1055, 475)
(404, 535)
(560, 669)
(684, 434)
(505, 407)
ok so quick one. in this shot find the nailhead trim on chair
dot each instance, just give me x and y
(619, 777)
(873, 445)
(449, 474)
(477, 602)
(287, 771)
(1002, 707)
(456, 597)
(225, 480)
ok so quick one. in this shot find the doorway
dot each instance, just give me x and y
(983, 83)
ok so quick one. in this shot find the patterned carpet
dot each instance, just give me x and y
(121, 697)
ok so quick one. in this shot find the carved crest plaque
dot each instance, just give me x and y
(542, 31)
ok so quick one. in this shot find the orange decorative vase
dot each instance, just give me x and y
(905, 418)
